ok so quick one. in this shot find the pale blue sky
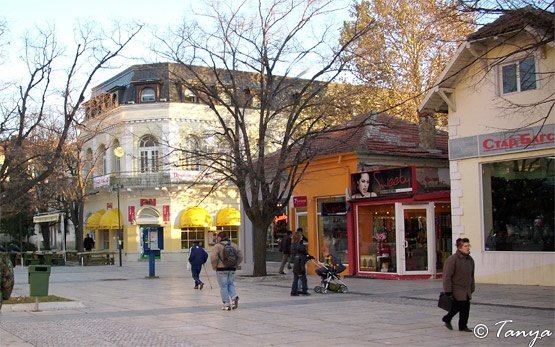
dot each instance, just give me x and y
(24, 15)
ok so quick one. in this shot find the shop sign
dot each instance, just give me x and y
(432, 179)
(503, 142)
(391, 181)
(130, 214)
(53, 217)
(149, 202)
(334, 208)
(166, 213)
(300, 201)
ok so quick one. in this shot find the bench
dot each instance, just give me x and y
(96, 258)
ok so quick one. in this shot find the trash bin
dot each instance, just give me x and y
(39, 276)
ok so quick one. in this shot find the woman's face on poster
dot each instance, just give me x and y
(363, 183)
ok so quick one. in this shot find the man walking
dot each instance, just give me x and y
(197, 257)
(225, 257)
(285, 249)
(458, 280)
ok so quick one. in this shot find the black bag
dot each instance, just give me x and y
(445, 301)
(230, 256)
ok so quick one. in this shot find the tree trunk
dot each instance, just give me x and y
(78, 223)
(259, 249)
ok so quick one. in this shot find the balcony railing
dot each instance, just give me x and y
(142, 180)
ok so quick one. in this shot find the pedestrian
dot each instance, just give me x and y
(88, 243)
(300, 257)
(197, 258)
(458, 281)
(285, 249)
(225, 257)
(6, 277)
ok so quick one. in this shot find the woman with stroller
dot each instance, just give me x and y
(300, 257)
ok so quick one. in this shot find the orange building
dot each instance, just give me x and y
(397, 224)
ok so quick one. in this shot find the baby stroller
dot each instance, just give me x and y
(329, 272)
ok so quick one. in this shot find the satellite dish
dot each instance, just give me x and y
(119, 152)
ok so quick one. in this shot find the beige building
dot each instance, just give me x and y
(143, 184)
(498, 92)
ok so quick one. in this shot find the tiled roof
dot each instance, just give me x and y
(379, 134)
(534, 18)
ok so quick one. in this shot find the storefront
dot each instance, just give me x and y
(400, 224)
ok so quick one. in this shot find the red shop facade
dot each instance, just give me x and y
(399, 223)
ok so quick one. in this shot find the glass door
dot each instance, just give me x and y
(415, 239)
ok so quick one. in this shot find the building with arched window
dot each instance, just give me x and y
(143, 129)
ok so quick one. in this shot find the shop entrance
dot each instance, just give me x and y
(415, 233)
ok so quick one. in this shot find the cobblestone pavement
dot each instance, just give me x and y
(122, 306)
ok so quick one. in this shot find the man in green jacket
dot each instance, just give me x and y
(458, 281)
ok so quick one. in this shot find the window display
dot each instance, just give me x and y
(376, 228)
(518, 205)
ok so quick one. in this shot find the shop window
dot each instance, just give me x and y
(443, 234)
(519, 76)
(332, 228)
(376, 238)
(190, 235)
(518, 205)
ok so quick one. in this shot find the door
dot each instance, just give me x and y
(416, 246)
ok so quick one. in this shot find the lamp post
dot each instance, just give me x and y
(119, 152)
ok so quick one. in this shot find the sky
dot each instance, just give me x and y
(24, 15)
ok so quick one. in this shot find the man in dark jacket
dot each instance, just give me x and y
(300, 256)
(285, 249)
(458, 281)
(197, 257)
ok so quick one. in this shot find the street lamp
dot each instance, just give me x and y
(119, 152)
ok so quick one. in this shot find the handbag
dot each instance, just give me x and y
(445, 301)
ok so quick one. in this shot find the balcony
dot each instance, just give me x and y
(141, 180)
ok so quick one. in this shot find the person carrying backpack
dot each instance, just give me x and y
(197, 257)
(225, 257)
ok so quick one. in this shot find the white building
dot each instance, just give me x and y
(498, 92)
(136, 123)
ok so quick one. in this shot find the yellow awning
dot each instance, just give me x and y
(195, 217)
(93, 221)
(109, 220)
(228, 216)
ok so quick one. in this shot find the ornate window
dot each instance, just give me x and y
(148, 95)
(148, 154)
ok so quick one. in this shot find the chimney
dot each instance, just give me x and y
(427, 130)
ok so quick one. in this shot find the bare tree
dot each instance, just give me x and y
(46, 102)
(252, 59)
(410, 44)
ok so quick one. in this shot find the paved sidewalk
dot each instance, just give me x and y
(120, 306)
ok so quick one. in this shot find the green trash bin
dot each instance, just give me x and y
(39, 276)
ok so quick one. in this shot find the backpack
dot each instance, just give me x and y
(230, 255)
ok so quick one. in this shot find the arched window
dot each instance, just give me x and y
(148, 95)
(148, 151)
(101, 160)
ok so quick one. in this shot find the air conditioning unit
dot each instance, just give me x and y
(130, 102)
